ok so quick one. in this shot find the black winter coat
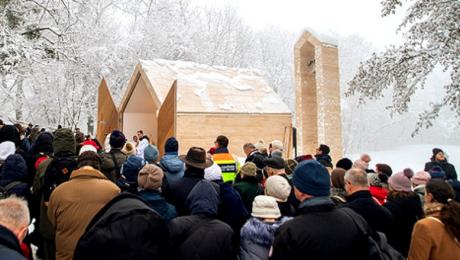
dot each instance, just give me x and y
(448, 168)
(378, 217)
(319, 232)
(406, 210)
(200, 237)
(9, 245)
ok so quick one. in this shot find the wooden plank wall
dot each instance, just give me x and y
(202, 129)
(107, 113)
(167, 118)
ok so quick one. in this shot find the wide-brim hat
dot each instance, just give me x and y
(196, 157)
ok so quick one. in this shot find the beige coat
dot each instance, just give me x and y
(74, 203)
(430, 240)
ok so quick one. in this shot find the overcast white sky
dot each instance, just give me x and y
(342, 16)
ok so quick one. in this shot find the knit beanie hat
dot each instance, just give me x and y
(436, 151)
(312, 178)
(265, 207)
(86, 148)
(290, 166)
(117, 139)
(360, 164)
(277, 187)
(213, 173)
(338, 178)
(401, 181)
(171, 145)
(249, 169)
(43, 143)
(151, 153)
(374, 180)
(14, 169)
(436, 172)
(150, 177)
(89, 158)
(344, 163)
(421, 177)
(7, 148)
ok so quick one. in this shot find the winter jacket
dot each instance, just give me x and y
(112, 162)
(172, 166)
(257, 158)
(159, 204)
(257, 238)
(406, 210)
(15, 170)
(379, 194)
(125, 228)
(325, 160)
(448, 168)
(248, 188)
(378, 217)
(178, 191)
(231, 208)
(420, 190)
(455, 184)
(9, 245)
(312, 232)
(74, 203)
(201, 235)
(430, 240)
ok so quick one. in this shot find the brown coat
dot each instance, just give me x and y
(430, 240)
(74, 203)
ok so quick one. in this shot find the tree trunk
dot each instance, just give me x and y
(19, 99)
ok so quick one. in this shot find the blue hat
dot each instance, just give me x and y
(151, 153)
(171, 145)
(312, 178)
(436, 172)
(131, 168)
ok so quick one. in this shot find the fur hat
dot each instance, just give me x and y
(265, 207)
(249, 169)
(421, 177)
(401, 181)
(150, 177)
(277, 187)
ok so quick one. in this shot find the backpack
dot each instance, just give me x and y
(5, 191)
(57, 172)
(378, 247)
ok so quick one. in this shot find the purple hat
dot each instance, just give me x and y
(401, 180)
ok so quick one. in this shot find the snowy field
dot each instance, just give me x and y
(412, 156)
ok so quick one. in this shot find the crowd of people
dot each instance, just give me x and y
(72, 198)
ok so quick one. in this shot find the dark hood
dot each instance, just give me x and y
(64, 141)
(203, 199)
(172, 163)
(14, 169)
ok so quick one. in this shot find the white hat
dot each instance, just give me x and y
(265, 207)
(277, 187)
(213, 173)
(87, 148)
(7, 148)
(278, 145)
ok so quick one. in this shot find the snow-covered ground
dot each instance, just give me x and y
(412, 156)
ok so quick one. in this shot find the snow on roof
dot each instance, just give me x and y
(203, 88)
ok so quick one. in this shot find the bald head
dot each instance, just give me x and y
(14, 215)
(355, 180)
